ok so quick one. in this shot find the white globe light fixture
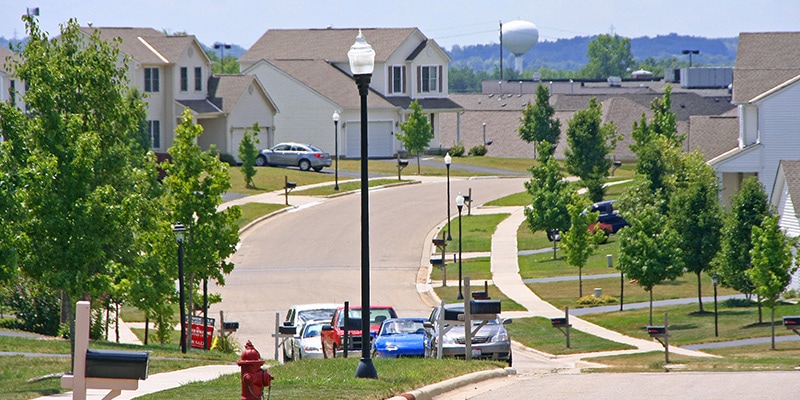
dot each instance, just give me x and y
(361, 56)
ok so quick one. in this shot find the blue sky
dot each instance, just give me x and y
(450, 22)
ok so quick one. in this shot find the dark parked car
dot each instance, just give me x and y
(490, 340)
(608, 218)
(303, 156)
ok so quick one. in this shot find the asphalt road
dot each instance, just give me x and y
(313, 254)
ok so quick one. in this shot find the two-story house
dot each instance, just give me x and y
(12, 89)
(174, 73)
(307, 73)
(766, 91)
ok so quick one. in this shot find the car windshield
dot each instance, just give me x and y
(377, 315)
(403, 327)
(307, 315)
(312, 330)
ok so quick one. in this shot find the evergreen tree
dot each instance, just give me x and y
(248, 153)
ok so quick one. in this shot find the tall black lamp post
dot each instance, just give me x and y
(362, 62)
(690, 52)
(447, 161)
(336, 149)
(180, 237)
(222, 47)
(460, 205)
(484, 133)
(715, 281)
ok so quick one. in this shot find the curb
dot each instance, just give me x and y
(430, 391)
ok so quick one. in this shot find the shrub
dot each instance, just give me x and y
(479, 150)
(228, 159)
(457, 150)
(590, 300)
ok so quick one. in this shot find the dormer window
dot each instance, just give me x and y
(151, 80)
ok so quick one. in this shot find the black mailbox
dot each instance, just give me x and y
(617, 164)
(657, 331)
(402, 163)
(230, 326)
(287, 330)
(117, 364)
(480, 296)
(485, 306)
(291, 185)
(452, 315)
(437, 261)
(558, 322)
(439, 242)
(791, 322)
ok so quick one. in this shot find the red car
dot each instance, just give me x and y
(333, 334)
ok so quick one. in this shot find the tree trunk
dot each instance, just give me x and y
(700, 292)
(190, 306)
(773, 325)
(580, 282)
(418, 167)
(760, 316)
(651, 305)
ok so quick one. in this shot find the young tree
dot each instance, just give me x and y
(550, 195)
(649, 251)
(748, 208)
(656, 144)
(608, 56)
(417, 131)
(248, 153)
(772, 264)
(590, 142)
(537, 123)
(696, 216)
(579, 242)
(87, 188)
(194, 185)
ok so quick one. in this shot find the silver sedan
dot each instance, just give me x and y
(303, 156)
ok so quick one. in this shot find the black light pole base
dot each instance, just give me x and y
(366, 369)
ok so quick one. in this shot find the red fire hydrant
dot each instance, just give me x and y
(254, 379)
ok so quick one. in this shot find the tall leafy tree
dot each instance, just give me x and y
(538, 123)
(657, 143)
(608, 56)
(579, 242)
(550, 195)
(248, 153)
(88, 187)
(748, 208)
(590, 142)
(772, 264)
(649, 251)
(417, 131)
(194, 185)
(696, 216)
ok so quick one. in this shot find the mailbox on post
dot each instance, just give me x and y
(657, 331)
(559, 322)
(484, 309)
(116, 364)
(287, 187)
(792, 323)
(401, 163)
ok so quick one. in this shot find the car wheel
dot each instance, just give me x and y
(304, 165)
(317, 169)
(285, 356)
(261, 161)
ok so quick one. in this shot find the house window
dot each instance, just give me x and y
(151, 80)
(184, 79)
(198, 79)
(12, 93)
(154, 129)
(397, 85)
(429, 79)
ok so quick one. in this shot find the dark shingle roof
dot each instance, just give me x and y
(200, 106)
(146, 45)
(713, 135)
(764, 60)
(428, 104)
(323, 44)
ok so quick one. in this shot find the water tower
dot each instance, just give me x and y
(519, 37)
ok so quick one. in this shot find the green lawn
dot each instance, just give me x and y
(540, 334)
(476, 232)
(475, 268)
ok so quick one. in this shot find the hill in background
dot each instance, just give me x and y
(570, 54)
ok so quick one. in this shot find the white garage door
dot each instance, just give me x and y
(380, 140)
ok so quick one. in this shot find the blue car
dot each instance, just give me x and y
(400, 337)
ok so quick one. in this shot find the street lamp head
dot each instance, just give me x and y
(459, 201)
(222, 45)
(361, 56)
(336, 116)
(180, 232)
(714, 279)
(448, 159)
